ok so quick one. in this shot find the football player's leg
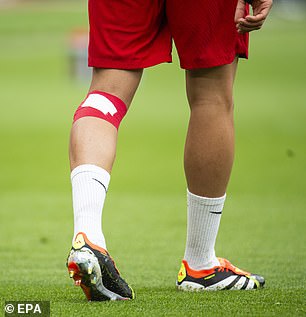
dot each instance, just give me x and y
(119, 50)
(209, 152)
(92, 153)
(93, 145)
(209, 56)
(209, 155)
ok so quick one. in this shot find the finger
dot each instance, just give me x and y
(250, 24)
(256, 18)
(243, 29)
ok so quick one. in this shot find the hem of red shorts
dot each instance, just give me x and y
(206, 63)
(120, 64)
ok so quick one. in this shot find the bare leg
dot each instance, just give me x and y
(93, 141)
(209, 148)
(92, 153)
(209, 153)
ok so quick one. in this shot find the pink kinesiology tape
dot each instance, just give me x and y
(102, 105)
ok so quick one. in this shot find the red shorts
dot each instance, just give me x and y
(131, 34)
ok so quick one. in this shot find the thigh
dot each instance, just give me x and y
(204, 32)
(128, 34)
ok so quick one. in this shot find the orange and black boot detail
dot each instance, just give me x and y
(223, 277)
(94, 270)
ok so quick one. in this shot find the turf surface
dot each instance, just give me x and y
(263, 226)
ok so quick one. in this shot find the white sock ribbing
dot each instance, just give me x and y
(89, 187)
(204, 215)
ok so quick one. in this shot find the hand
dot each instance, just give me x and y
(261, 9)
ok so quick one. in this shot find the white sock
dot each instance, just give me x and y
(204, 215)
(89, 187)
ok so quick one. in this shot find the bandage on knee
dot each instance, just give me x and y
(102, 105)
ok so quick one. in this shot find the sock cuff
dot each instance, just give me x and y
(218, 201)
(99, 171)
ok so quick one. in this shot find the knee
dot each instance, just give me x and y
(219, 103)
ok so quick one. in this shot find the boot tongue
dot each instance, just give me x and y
(228, 265)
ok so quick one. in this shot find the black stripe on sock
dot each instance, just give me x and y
(216, 212)
(229, 286)
(101, 184)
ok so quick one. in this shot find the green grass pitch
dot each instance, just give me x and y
(263, 225)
